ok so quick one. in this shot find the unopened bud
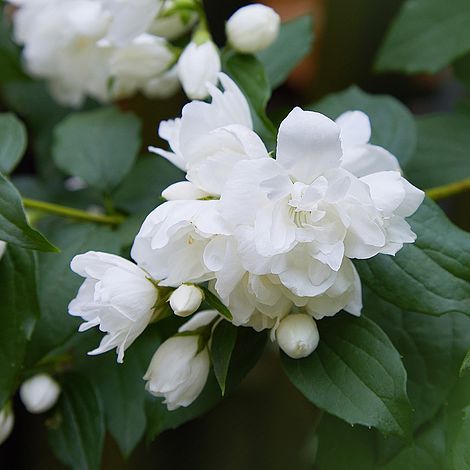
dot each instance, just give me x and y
(7, 420)
(297, 335)
(252, 28)
(186, 300)
(39, 393)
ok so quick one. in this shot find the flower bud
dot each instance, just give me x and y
(198, 65)
(297, 335)
(7, 420)
(183, 190)
(252, 28)
(39, 393)
(178, 371)
(186, 300)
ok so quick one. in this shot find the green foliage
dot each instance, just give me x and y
(77, 429)
(250, 76)
(393, 126)
(355, 374)
(12, 142)
(426, 36)
(465, 364)
(291, 46)
(14, 228)
(216, 303)
(99, 146)
(18, 314)
(442, 153)
(420, 276)
(224, 338)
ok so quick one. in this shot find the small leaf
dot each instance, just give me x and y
(99, 146)
(14, 227)
(12, 142)
(18, 314)
(393, 126)
(249, 74)
(426, 36)
(355, 374)
(291, 46)
(223, 342)
(216, 303)
(77, 430)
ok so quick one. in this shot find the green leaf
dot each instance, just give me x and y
(216, 303)
(355, 374)
(58, 285)
(12, 142)
(291, 46)
(14, 227)
(10, 62)
(224, 338)
(462, 69)
(18, 315)
(143, 186)
(99, 146)
(250, 76)
(442, 153)
(426, 36)
(459, 448)
(77, 430)
(465, 366)
(431, 276)
(393, 126)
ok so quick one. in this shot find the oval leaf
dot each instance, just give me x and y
(12, 142)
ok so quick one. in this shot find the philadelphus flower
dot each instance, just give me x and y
(116, 295)
(252, 28)
(185, 300)
(179, 368)
(297, 335)
(198, 65)
(7, 420)
(39, 393)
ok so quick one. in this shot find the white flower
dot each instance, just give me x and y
(185, 300)
(162, 86)
(134, 65)
(183, 190)
(297, 335)
(178, 370)
(116, 295)
(39, 393)
(171, 26)
(7, 420)
(252, 28)
(210, 138)
(198, 65)
(171, 242)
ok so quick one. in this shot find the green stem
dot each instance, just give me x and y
(70, 212)
(447, 190)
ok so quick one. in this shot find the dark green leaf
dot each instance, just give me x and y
(12, 142)
(393, 126)
(58, 285)
(142, 188)
(355, 374)
(431, 276)
(426, 36)
(249, 74)
(291, 46)
(99, 146)
(224, 338)
(216, 303)
(14, 227)
(10, 62)
(462, 69)
(18, 314)
(459, 445)
(77, 430)
(442, 154)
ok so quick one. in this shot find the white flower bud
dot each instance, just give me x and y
(252, 28)
(198, 65)
(39, 393)
(7, 420)
(183, 191)
(178, 371)
(186, 300)
(297, 335)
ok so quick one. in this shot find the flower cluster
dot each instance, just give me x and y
(111, 49)
(273, 238)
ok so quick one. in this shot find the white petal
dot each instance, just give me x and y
(355, 128)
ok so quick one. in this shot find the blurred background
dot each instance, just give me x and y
(266, 423)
